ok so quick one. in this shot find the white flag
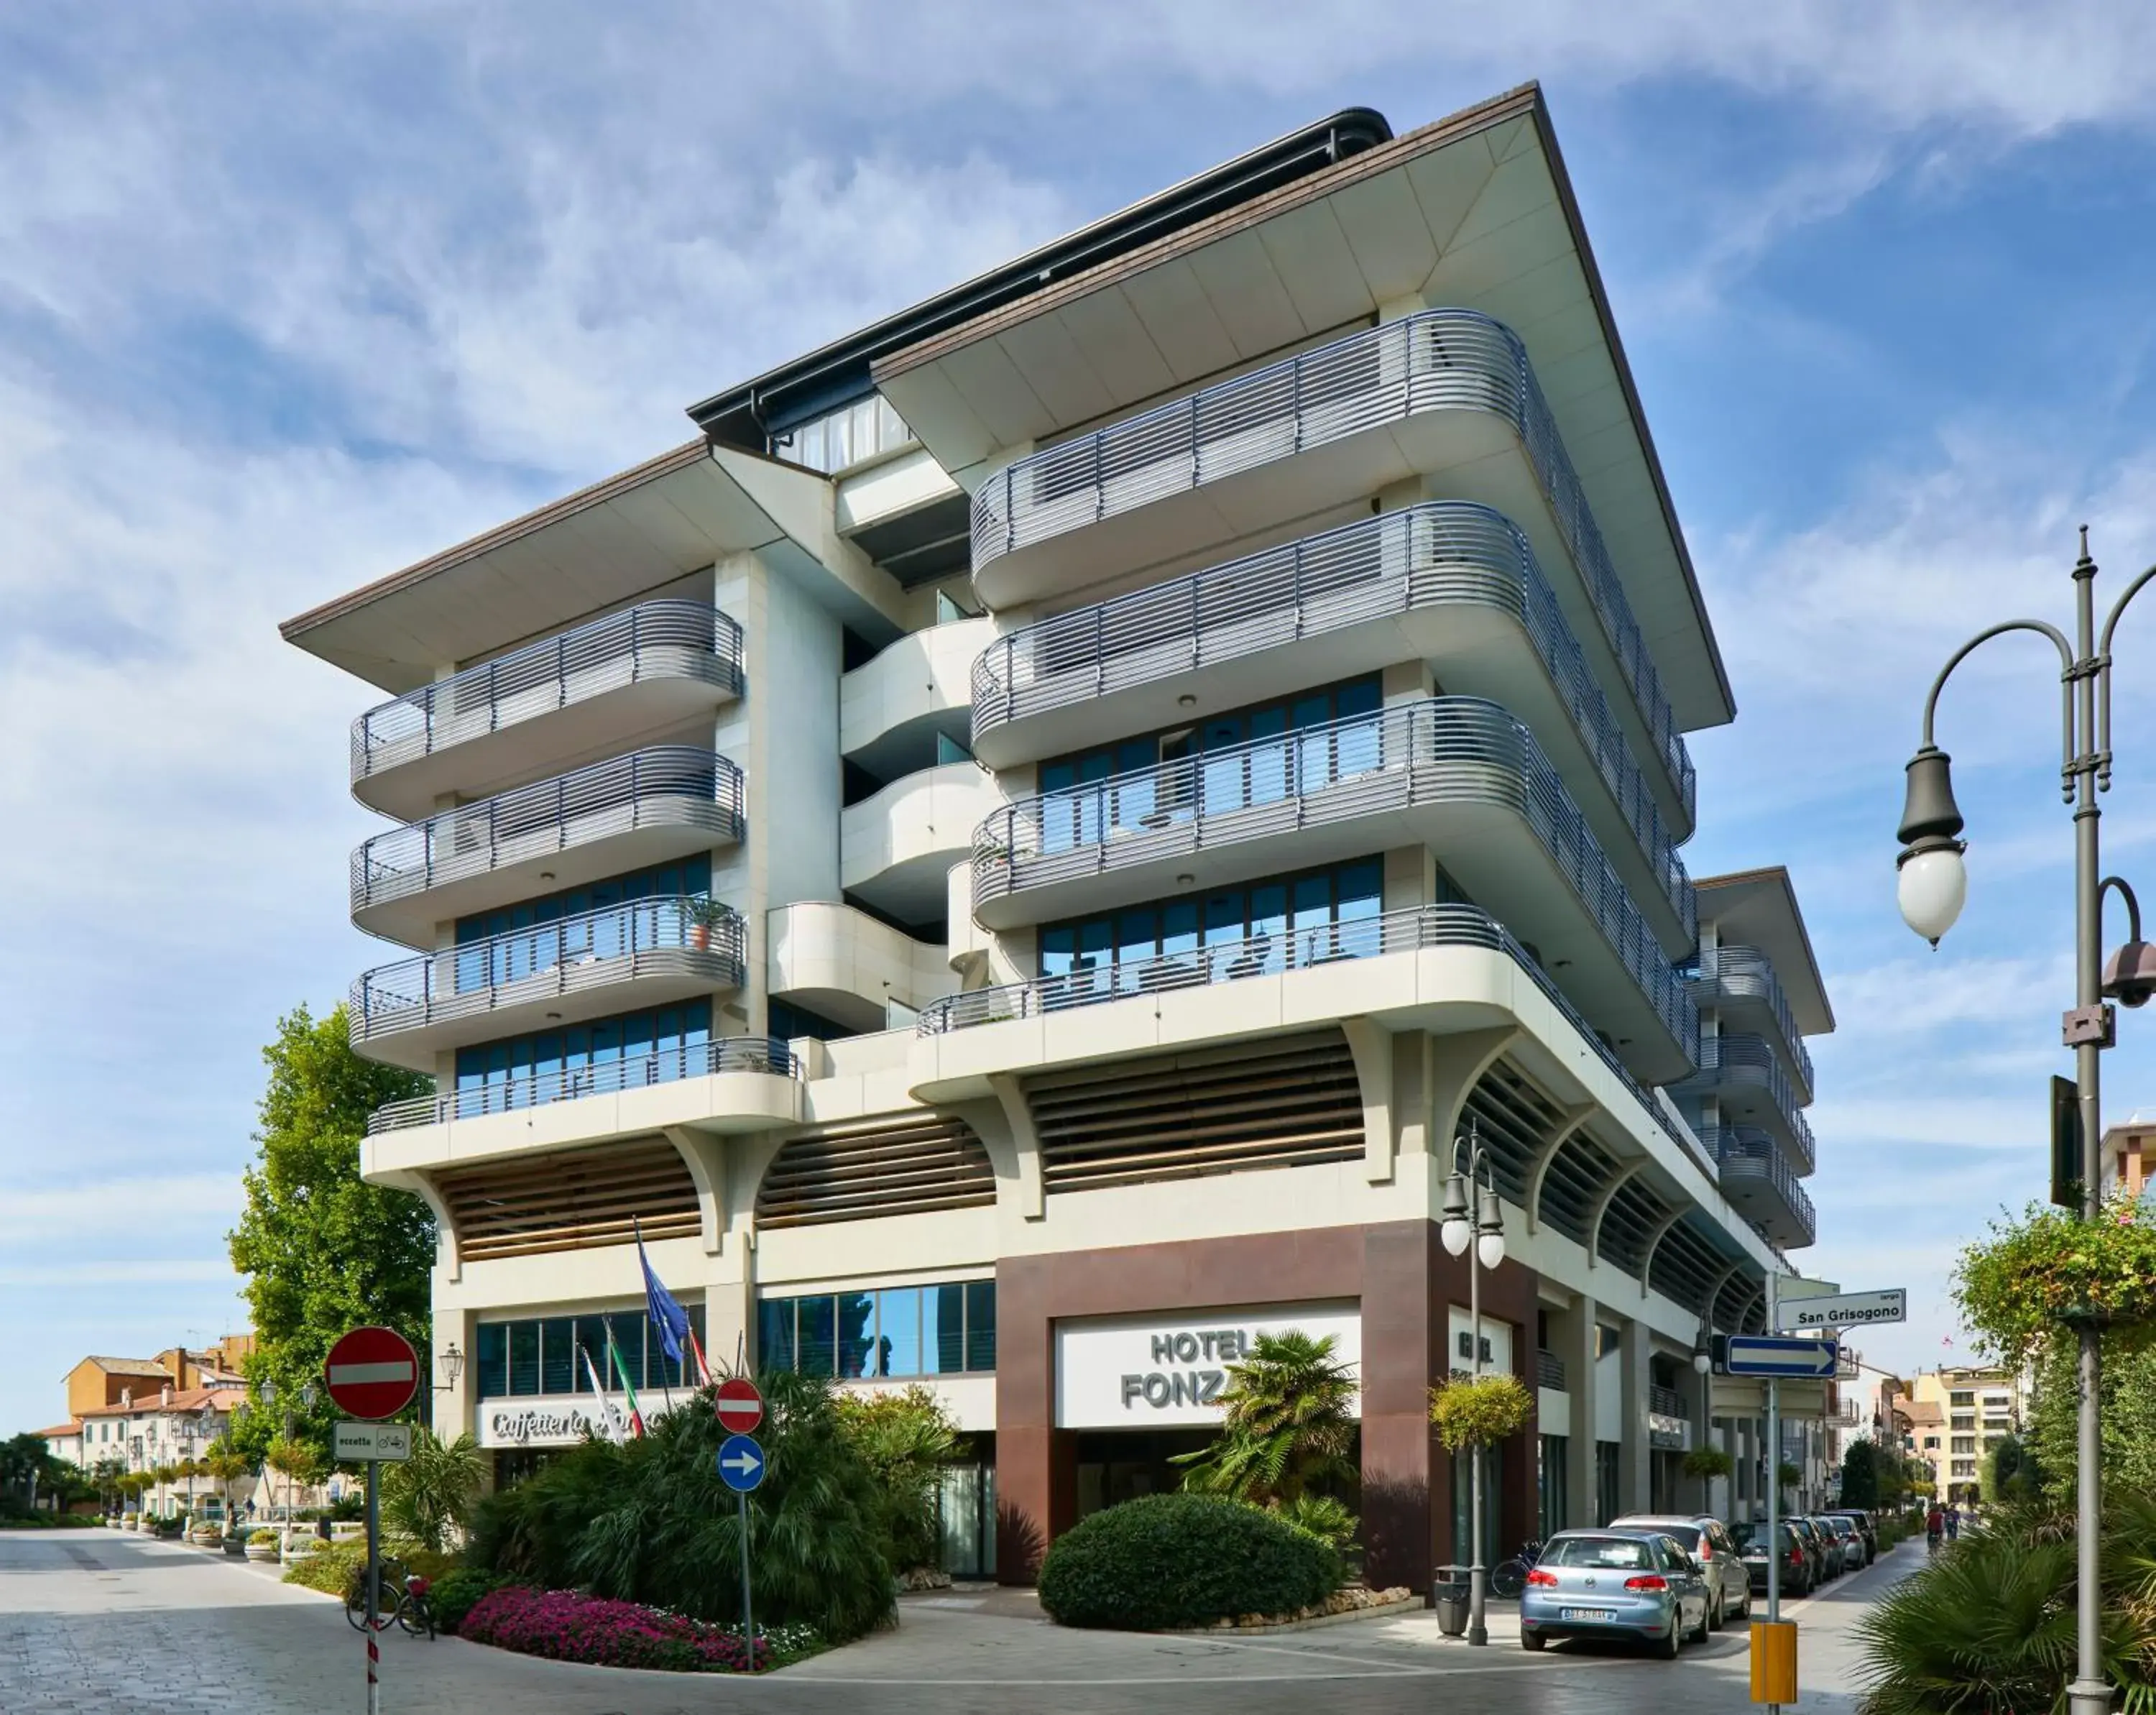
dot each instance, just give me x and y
(613, 1426)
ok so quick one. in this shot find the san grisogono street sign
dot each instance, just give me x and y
(1845, 1309)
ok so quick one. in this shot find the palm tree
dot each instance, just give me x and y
(1288, 1430)
(434, 1492)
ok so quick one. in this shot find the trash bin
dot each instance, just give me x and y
(1448, 1593)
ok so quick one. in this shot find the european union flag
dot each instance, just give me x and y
(666, 1314)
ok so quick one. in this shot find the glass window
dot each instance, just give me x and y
(943, 1319)
(898, 1333)
(524, 1358)
(817, 1349)
(774, 1333)
(980, 1325)
(1618, 1553)
(557, 1355)
(857, 1333)
(490, 1360)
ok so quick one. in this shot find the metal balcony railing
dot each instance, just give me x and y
(1731, 1061)
(1549, 1370)
(615, 944)
(1436, 750)
(1439, 554)
(1266, 955)
(673, 640)
(729, 1054)
(1740, 973)
(1746, 1153)
(1666, 1402)
(1432, 361)
(667, 786)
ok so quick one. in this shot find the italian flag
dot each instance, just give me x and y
(621, 1369)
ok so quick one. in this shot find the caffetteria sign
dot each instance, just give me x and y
(1155, 1371)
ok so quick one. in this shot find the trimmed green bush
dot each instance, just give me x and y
(452, 1594)
(1170, 1562)
(331, 1569)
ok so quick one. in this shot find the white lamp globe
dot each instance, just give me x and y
(1931, 889)
(1702, 1361)
(1454, 1234)
(1490, 1249)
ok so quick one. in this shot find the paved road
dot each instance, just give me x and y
(97, 1621)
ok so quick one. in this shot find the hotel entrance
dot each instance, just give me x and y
(1115, 1465)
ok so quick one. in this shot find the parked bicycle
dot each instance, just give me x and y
(1508, 1578)
(403, 1602)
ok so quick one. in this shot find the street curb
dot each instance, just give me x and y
(1376, 1610)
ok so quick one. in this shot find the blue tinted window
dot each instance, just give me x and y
(690, 874)
(490, 1360)
(657, 1041)
(816, 1350)
(898, 1336)
(857, 1333)
(943, 1317)
(899, 1331)
(980, 1325)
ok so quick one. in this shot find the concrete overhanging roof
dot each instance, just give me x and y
(1758, 908)
(1474, 210)
(597, 549)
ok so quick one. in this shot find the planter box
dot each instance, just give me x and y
(266, 1552)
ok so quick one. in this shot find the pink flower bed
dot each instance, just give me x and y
(566, 1626)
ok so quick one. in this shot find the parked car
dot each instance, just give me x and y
(1815, 1545)
(1797, 1575)
(1868, 1526)
(1707, 1540)
(1829, 1545)
(1635, 1584)
(1853, 1553)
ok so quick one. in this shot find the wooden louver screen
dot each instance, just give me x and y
(901, 1164)
(572, 1201)
(1284, 1103)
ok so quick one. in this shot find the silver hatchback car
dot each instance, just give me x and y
(1637, 1583)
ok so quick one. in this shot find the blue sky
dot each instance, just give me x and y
(286, 302)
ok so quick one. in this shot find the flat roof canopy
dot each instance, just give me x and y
(1758, 908)
(1474, 210)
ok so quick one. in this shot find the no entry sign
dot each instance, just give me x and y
(739, 1405)
(373, 1372)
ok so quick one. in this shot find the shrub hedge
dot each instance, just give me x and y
(1169, 1562)
(455, 1593)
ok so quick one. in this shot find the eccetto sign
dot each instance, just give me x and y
(1161, 1371)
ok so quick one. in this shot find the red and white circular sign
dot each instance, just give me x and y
(739, 1405)
(372, 1372)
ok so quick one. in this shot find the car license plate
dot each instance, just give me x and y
(1585, 1614)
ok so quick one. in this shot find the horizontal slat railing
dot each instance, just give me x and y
(613, 944)
(1750, 1060)
(674, 639)
(1746, 1152)
(668, 785)
(1746, 973)
(1665, 1402)
(1434, 751)
(1265, 955)
(1549, 1370)
(729, 1054)
(1438, 554)
(1431, 360)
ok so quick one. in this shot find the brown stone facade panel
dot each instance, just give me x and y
(1405, 1282)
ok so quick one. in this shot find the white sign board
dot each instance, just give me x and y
(1845, 1310)
(1496, 1344)
(390, 1442)
(1169, 1370)
(561, 1421)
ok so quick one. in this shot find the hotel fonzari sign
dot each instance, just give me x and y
(1155, 1371)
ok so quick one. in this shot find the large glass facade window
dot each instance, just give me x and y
(546, 1355)
(554, 1064)
(892, 1331)
(844, 437)
(534, 936)
(1226, 762)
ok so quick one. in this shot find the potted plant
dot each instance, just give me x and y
(1708, 1462)
(703, 915)
(262, 1545)
(2050, 1270)
(1479, 1411)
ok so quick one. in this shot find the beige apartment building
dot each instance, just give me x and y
(1015, 854)
(1955, 1416)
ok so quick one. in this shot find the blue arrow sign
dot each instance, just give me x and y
(741, 1463)
(1788, 1359)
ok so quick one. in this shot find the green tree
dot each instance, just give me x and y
(1860, 1475)
(2127, 1416)
(2011, 1471)
(1288, 1430)
(905, 1438)
(432, 1494)
(27, 1470)
(322, 1251)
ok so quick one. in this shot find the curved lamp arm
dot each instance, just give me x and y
(2103, 680)
(2066, 676)
(2133, 904)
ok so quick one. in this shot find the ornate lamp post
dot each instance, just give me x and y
(1477, 1189)
(1932, 887)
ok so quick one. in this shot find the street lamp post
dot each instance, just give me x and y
(1932, 886)
(1476, 1191)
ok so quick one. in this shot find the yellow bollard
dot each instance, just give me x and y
(1773, 1660)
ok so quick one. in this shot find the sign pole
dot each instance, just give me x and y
(748, 1619)
(374, 1582)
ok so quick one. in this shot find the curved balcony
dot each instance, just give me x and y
(609, 818)
(897, 847)
(1744, 1073)
(1454, 583)
(845, 964)
(1439, 390)
(597, 686)
(755, 1055)
(1456, 774)
(573, 968)
(891, 709)
(1740, 981)
(1760, 1185)
(1409, 930)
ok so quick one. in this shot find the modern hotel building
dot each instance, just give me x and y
(1015, 853)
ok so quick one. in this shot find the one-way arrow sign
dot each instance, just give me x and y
(741, 1463)
(1774, 1355)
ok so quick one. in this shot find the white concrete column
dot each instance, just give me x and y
(1573, 1331)
(1634, 1484)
